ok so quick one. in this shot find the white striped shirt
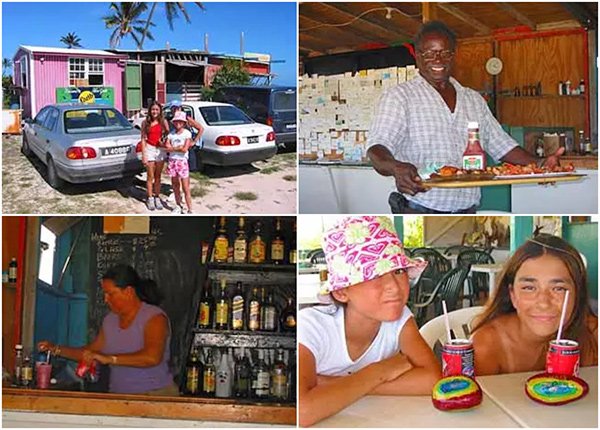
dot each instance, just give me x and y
(415, 124)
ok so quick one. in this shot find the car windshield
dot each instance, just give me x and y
(284, 100)
(96, 120)
(224, 115)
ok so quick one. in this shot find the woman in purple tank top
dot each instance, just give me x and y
(134, 339)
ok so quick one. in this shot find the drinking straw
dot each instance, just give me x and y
(562, 315)
(446, 320)
(48, 357)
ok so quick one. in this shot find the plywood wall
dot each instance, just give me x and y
(469, 64)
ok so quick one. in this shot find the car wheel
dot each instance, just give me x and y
(53, 179)
(200, 166)
(25, 149)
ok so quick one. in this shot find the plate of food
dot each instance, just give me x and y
(451, 173)
(512, 171)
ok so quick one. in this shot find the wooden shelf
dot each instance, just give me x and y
(249, 267)
(246, 339)
(543, 96)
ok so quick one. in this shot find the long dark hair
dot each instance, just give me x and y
(160, 118)
(576, 327)
(125, 276)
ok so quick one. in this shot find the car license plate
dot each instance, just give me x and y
(252, 139)
(291, 126)
(115, 150)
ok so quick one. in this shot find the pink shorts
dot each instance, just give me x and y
(178, 169)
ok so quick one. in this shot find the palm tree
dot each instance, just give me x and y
(126, 21)
(71, 40)
(6, 64)
(172, 10)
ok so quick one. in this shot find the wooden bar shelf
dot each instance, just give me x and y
(247, 339)
(249, 267)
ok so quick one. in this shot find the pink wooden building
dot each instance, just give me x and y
(46, 75)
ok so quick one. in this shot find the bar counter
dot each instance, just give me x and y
(144, 406)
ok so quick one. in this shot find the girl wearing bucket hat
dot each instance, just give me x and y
(367, 341)
(178, 144)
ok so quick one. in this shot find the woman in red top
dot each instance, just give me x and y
(154, 128)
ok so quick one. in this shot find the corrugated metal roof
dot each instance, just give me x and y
(51, 50)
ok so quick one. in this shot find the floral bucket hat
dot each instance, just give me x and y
(359, 249)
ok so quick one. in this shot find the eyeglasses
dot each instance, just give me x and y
(431, 55)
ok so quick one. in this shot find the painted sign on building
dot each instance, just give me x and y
(86, 95)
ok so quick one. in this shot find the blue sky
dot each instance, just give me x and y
(268, 28)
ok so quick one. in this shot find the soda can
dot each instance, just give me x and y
(563, 358)
(82, 369)
(90, 372)
(458, 358)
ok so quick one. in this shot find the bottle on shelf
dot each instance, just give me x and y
(221, 243)
(263, 377)
(293, 252)
(581, 143)
(242, 376)
(277, 244)
(209, 376)
(287, 319)
(567, 87)
(254, 313)
(222, 308)
(18, 364)
(257, 251)
(269, 314)
(237, 308)
(223, 383)
(193, 374)
(561, 88)
(240, 245)
(581, 86)
(27, 373)
(279, 374)
(12, 271)
(206, 307)
(474, 155)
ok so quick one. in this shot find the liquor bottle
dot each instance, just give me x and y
(269, 314)
(581, 143)
(27, 373)
(293, 252)
(279, 375)
(474, 155)
(277, 244)
(222, 308)
(209, 376)
(254, 311)
(257, 253)
(287, 318)
(206, 307)
(242, 376)
(193, 374)
(223, 385)
(18, 364)
(262, 383)
(12, 270)
(221, 243)
(237, 308)
(240, 245)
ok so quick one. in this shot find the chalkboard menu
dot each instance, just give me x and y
(169, 255)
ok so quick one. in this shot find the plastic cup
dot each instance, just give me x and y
(43, 372)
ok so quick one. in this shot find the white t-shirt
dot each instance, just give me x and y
(177, 141)
(321, 330)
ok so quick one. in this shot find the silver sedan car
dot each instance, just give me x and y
(82, 143)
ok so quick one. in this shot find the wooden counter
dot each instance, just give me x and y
(581, 161)
(136, 405)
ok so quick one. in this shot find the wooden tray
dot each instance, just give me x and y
(492, 182)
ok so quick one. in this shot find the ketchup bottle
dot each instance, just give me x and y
(474, 155)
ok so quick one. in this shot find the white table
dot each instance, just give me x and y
(508, 393)
(491, 270)
(415, 411)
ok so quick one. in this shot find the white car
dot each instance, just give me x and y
(230, 136)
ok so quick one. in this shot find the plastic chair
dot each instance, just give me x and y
(455, 249)
(318, 257)
(448, 289)
(434, 331)
(437, 267)
(477, 281)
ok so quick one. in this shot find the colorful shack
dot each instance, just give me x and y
(46, 75)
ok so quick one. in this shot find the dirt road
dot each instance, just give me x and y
(259, 188)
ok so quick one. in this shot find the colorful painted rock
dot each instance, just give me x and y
(456, 393)
(554, 390)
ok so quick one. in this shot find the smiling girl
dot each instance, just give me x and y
(367, 341)
(513, 333)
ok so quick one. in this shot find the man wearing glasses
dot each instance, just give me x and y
(423, 122)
